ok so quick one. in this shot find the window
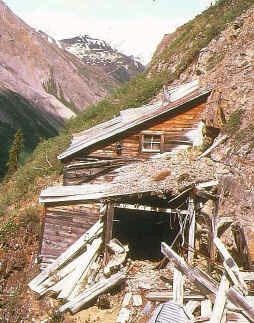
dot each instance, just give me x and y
(151, 143)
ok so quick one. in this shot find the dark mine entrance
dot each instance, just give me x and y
(144, 231)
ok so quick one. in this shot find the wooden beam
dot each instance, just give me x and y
(220, 301)
(150, 208)
(205, 283)
(108, 229)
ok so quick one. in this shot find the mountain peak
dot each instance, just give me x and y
(97, 52)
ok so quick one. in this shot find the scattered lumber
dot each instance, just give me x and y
(91, 293)
(82, 269)
(68, 255)
(205, 283)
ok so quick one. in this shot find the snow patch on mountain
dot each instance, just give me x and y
(98, 52)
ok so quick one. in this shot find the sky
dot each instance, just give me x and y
(134, 27)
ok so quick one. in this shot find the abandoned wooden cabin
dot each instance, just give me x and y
(156, 209)
(136, 134)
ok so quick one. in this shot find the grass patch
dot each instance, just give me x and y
(8, 228)
(234, 122)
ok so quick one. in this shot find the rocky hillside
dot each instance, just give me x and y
(97, 52)
(227, 65)
(217, 48)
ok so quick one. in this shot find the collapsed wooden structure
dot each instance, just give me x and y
(126, 174)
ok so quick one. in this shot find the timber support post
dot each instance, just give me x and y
(192, 219)
(108, 228)
(212, 236)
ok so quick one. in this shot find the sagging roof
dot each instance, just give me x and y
(162, 175)
(176, 100)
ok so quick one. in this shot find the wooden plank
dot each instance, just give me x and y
(231, 267)
(89, 294)
(178, 282)
(220, 301)
(206, 308)
(69, 254)
(205, 283)
(164, 296)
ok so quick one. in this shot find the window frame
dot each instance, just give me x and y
(153, 142)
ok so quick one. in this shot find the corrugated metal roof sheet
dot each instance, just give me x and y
(131, 118)
(170, 313)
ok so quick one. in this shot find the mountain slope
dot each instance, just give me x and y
(97, 52)
(41, 84)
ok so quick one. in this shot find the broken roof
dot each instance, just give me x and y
(168, 174)
(177, 98)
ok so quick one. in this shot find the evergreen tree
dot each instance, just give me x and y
(15, 152)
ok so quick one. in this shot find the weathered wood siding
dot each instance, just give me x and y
(63, 225)
(174, 130)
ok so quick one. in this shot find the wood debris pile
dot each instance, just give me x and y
(75, 277)
(78, 276)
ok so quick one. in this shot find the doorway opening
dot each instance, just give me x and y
(144, 231)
